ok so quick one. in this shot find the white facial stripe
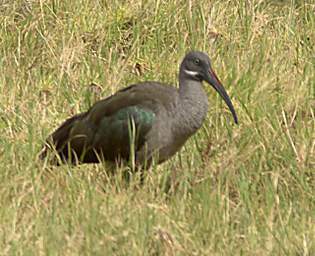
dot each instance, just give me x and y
(191, 73)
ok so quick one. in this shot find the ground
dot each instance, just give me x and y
(244, 189)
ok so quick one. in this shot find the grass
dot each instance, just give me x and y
(242, 190)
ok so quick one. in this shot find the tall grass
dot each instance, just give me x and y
(240, 190)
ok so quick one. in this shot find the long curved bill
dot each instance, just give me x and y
(213, 80)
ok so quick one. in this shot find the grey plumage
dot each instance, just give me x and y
(163, 117)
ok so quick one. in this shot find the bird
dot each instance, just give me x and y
(148, 121)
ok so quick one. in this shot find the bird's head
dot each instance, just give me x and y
(197, 66)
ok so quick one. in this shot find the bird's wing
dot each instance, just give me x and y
(148, 95)
(108, 126)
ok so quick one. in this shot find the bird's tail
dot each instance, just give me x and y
(57, 141)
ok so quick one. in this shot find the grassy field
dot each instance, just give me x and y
(246, 189)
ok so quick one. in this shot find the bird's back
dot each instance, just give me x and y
(105, 132)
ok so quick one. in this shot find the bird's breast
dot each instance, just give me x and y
(190, 117)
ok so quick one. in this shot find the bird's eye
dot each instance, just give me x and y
(197, 61)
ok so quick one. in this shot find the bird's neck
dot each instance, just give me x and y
(193, 105)
(189, 88)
